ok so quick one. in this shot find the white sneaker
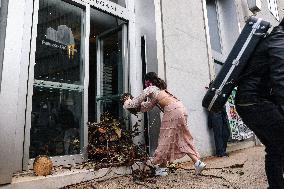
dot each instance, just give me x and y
(199, 167)
(161, 172)
(149, 162)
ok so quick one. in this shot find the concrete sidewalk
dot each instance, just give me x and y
(242, 169)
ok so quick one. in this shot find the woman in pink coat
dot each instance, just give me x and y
(175, 140)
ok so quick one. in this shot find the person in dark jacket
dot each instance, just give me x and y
(260, 101)
(220, 125)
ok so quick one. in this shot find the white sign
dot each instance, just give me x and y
(272, 6)
(110, 7)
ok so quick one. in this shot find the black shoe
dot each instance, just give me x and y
(222, 155)
(225, 155)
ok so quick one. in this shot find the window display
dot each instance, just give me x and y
(57, 101)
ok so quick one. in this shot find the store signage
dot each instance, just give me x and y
(52, 44)
(62, 35)
(106, 4)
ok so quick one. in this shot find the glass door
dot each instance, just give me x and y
(111, 77)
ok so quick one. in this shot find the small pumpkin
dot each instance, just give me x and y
(42, 165)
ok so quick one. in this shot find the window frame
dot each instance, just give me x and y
(3, 16)
(217, 55)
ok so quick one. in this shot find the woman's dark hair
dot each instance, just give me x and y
(124, 96)
(155, 80)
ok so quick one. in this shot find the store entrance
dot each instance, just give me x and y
(107, 65)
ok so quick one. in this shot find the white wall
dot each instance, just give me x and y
(146, 26)
(10, 88)
(186, 60)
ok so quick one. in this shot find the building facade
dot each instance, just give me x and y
(65, 62)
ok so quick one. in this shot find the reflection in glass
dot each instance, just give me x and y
(58, 86)
(106, 47)
(55, 121)
(111, 73)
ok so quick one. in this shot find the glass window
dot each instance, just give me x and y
(213, 25)
(223, 27)
(3, 23)
(57, 102)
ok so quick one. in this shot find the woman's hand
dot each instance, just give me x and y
(131, 110)
(126, 103)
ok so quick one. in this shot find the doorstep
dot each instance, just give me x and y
(64, 177)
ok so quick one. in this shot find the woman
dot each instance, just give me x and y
(175, 140)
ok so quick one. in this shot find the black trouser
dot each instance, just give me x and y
(221, 137)
(266, 120)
